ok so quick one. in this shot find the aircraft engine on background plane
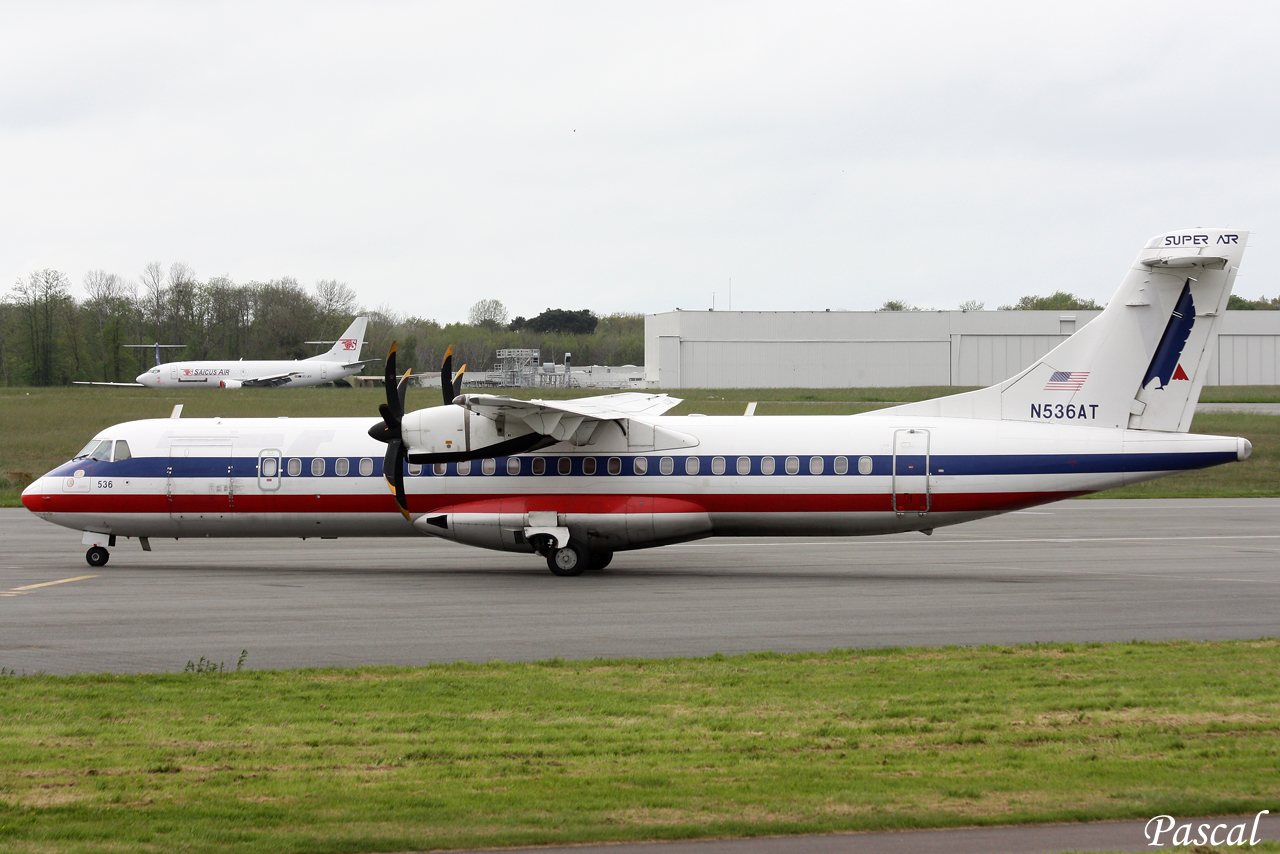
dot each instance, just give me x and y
(230, 384)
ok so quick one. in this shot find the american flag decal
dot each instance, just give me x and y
(1066, 381)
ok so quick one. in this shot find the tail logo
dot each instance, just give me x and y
(348, 343)
(1165, 364)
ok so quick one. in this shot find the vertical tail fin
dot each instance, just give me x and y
(347, 347)
(1142, 362)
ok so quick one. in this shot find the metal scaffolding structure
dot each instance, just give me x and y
(519, 368)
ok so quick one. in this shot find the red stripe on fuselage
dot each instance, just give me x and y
(609, 504)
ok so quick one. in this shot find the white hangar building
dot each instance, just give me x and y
(852, 349)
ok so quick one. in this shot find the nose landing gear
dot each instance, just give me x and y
(97, 556)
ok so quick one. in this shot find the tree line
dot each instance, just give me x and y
(48, 336)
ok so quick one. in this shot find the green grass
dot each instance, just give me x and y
(40, 428)
(463, 755)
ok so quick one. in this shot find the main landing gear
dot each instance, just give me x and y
(575, 558)
(97, 556)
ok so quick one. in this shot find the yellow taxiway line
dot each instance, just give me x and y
(21, 591)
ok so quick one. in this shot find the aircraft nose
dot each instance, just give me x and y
(141, 379)
(31, 495)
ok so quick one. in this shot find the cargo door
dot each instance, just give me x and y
(911, 471)
(199, 480)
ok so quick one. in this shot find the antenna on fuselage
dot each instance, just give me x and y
(156, 344)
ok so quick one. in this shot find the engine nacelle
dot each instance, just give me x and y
(230, 384)
(448, 433)
(628, 523)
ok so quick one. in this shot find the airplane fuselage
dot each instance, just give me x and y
(228, 374)
(823, 475)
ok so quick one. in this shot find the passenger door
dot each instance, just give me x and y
(911, 493)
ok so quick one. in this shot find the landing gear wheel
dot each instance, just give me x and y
(599, 559)
(570, 560)
(97, 556)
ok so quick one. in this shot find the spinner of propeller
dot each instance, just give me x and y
(390, 428)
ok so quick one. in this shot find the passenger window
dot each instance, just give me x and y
(295, 467)
(815, 465)
(692, 465)
(341, 466)
(464, 468)
(615, 465)
(666, 465)
(640, 465)
(588, 465)
(122, 450)
(440, 469)
(270, 465)
(744, 465)
(717, 465)
(488, 465)
(103, 451)
(841, 465)
(564, 465)
(415, 469)
(864, 465)
(317, 467)
(366, 467)
(766, 465)
(513, 465)
(539, 465)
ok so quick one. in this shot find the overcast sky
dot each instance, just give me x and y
(637, 156)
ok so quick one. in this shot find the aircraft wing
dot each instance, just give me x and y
(125, 385)
(571, 420)
(608, 407)
(271, 380)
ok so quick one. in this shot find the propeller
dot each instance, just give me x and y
(388, 431)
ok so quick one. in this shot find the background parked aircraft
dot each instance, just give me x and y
(341, 360)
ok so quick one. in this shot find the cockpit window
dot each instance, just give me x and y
(122, 450)
(154, 371)
(98, 449)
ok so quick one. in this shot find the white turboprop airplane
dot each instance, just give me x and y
(577, 480)
(342, 360)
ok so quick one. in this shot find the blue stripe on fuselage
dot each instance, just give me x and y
(955, 465)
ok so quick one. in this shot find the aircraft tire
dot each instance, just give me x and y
(599, 559)
(570, 560)
(97, 556)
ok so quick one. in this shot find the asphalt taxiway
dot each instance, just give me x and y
(1105, 570)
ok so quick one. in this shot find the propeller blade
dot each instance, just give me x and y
(402, 387)
(388, 430)
(395, 401)
(393, 471)
(446, 374)
(457, 381)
